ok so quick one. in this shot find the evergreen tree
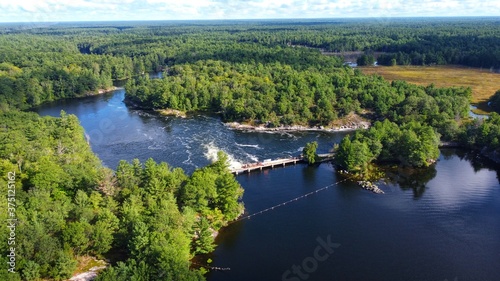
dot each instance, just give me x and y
(309, 152)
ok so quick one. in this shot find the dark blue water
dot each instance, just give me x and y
(441, 223)
(116, 132)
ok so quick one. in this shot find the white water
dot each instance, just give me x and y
(211, 151)
(249, 145)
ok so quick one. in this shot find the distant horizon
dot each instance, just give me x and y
(250, 19)
(51, 11)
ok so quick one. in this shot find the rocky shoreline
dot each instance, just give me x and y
(89, 275)
(102, 91)
(172, 112)
(297, 128)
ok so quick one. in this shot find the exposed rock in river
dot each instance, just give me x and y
(370, 186)
(247, 127)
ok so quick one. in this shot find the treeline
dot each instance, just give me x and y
(482, 134)
(149, 217)
(412, 135)
(277, 94)
(71, 60)
(36, 69)
(411, 130)
(478, 50)
(416, 117)
(411, 144)
(472, 42)
(155, 217)
(269, 93)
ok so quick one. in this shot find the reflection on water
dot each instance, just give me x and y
(451, 230)
(414, 179)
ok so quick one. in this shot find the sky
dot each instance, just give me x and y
(112, 10)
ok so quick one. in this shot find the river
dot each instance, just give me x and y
(439, 224)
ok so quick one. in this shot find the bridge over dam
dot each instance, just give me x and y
(282, 162)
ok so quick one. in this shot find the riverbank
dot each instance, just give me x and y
(88, 268)
(172, 112)
(296, 128)
(350, 122)
(101, 91)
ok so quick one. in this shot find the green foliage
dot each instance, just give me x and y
(26, 83)
(213, 188)
(229, 192)
(155, 230)
(353, 155)
(46, 64)
(76, 235)
(204, 242)
(155, 216)
(411, 144)
(482, 133)
(272, 93)
(51, 152)
(275, 94)
(365, 59)
(141, 271)
(64, 211)
(309, 152)
(64, 266)
(53, 164)
(31, 271)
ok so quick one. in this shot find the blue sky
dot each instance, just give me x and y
(98, 10)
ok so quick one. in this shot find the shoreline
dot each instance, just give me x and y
(297, 128)
(171, 112)
(101, 91)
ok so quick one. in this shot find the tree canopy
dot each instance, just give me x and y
(151, 217)
(69, 205)
(309, 152)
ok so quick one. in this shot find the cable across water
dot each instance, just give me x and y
(286, 202)
(267, 210)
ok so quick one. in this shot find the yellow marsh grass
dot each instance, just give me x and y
(482, 82)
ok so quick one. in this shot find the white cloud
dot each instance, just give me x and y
(63, 10)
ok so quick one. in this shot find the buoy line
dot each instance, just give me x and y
(286, 202)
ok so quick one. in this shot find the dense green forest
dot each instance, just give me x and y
(150, 218)
(153, 216)
(415, 118)
(72, 60)
(277, 94)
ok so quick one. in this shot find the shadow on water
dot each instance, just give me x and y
(475, 159)
(414, 179)
(308, 173)
(348, 189)
(230, 233)
(228, 238)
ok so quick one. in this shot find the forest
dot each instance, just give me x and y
(149, 218)
(153, 216)
(68, 60)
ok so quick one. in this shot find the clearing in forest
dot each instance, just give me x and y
(483, 83)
